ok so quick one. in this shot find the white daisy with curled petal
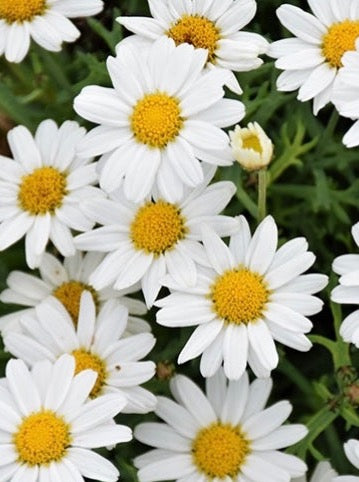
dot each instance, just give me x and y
(215, 26)
(252, 295)
(347, 266)
(66, 281)
(96, 343)
(351, 449)
(44, 21)
(48, 425)
(225, 435)
(324, 472)
(163, 116)
(147, 240)
(312, 59)
(41, 188)
(346, 95)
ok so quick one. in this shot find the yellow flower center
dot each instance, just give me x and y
(85, 361)
(197, 31)
(21, 10)
(239, 296)
(42, 191)
(220, 451)
(69, 293)
(156, 120)
(251, 141)
(339, 39)
(42, 438)
(157, 227)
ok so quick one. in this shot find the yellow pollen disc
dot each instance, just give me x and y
(252, 142)
(156, 120)
(239, 296)
(42, 191)
(69, 293)
(197, 31)
(21, 10)
(85, 361)
(157, 227)
(220, 451)
(339, 39)
(42, 438)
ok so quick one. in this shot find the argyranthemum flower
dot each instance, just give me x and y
(41, 188)
(44, 21)
(351, 449)
(322, 473)
(346, 95)
(311, 60)
(66, 281)
(96, 343)
(214, 26)
(251, 296)
(48, 426)
(226, 435)
(163, 116)
(251, 146)
(347, 266)
(147, 240)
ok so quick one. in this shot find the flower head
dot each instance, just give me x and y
(163, 116)
(312, 59)
(41, 188)
(44, 21)
(226, 434)
(252, 295)
(347, 267)
(66, 281)
(96, 343)
(215, 27)
(251, 146)
(48, 423)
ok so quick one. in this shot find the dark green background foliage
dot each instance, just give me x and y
(313, 192)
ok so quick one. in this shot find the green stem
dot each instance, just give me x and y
(262, 194)
(303, 383)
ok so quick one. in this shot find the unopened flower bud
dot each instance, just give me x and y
(251, 146)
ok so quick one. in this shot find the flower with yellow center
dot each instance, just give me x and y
(147, 240)
(42, 188)
(66, 281)
(252, 296)
(48, 423)
(312, 59)
(226, 434)
(44, 21)
(96, 343)
(155, 130)
(215, 27)
(251, 146)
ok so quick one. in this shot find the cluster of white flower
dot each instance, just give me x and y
(322, 61)
(149, 217)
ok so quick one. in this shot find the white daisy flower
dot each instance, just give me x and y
(347, 266)
(346, 95)
(251, 296)
(226, 435)
(214, 26)
(351, 449)
(66, 281)
(163, 116)
(96, 343)
(44, 21)
(322, 473)
(147, 240)
(48, 426)
(311, 60)
(41, 188)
